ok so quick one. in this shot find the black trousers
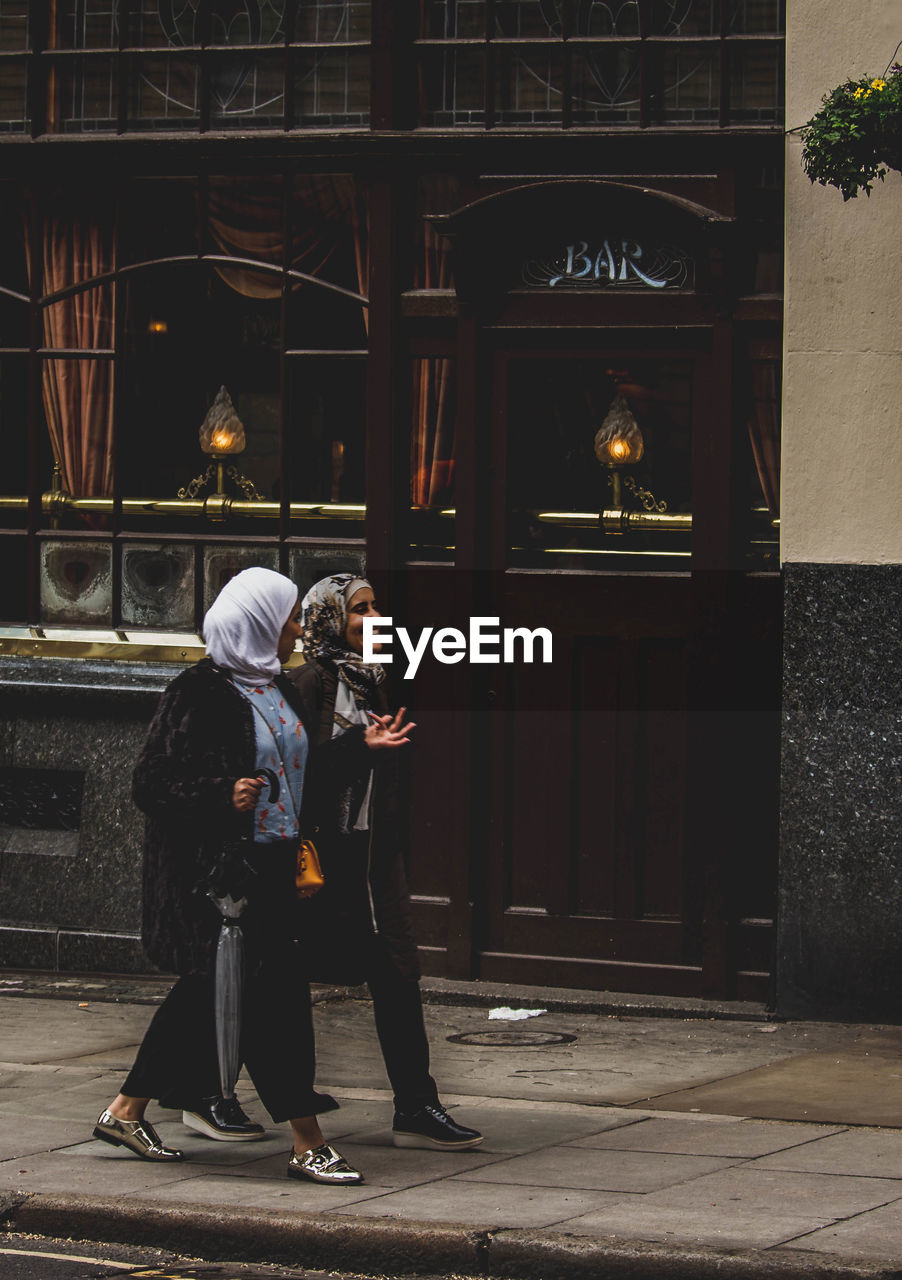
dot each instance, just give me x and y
(398, 1011)
(177, 1061)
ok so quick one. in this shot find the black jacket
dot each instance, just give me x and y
(365, 902)
(200, 741)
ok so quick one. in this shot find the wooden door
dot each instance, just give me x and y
(606, 820)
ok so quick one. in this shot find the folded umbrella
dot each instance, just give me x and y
(227, 883)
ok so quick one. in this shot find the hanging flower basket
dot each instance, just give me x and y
(857, 134)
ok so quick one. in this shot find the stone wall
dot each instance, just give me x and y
(70, 837)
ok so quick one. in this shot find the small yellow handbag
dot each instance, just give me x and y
(309, 875)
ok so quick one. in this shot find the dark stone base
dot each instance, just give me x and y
(64, 951)
(839, 933)
(70, 836)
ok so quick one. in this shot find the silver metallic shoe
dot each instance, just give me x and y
(138, 1135)
(324, 1164)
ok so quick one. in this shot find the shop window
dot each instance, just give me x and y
(260, 321)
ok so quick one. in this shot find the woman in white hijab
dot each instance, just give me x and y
(217, 828)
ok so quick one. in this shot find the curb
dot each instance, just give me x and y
(372, 1246)
(152, 988)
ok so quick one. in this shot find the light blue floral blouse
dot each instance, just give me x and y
(281, 747)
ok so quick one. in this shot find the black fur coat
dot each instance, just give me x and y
(200, 741)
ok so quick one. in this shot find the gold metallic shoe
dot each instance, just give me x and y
(138, 1135)
(324, 1164)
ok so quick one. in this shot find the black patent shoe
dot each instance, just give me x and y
(431, 1127)
(138, 1136)
(324, 1164)
(222, 1119)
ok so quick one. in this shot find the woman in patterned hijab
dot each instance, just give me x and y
(359, 926)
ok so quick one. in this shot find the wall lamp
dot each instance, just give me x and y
(619, 444)
(221, 437)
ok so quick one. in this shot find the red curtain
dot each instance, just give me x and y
(79, 245)
(246, 220)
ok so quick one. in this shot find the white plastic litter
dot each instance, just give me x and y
(505, 1014)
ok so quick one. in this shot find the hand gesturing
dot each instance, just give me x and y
(387, 731)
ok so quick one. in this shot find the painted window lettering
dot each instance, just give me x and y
(580, 263)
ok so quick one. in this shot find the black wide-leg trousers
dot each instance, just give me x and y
(177, 1062)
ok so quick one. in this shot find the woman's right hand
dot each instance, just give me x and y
(387, 731)
(246, 793)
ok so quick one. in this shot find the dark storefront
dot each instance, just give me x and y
(431, 252)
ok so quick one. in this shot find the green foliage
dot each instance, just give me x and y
(855, 137)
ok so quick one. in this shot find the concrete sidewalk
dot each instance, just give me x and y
(616, 1143)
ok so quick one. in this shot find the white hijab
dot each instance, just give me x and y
(244, 622)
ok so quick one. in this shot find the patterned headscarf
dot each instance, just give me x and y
(243, 624)
(325, 622)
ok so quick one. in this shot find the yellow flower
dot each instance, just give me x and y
(878, 84)
(858, 92)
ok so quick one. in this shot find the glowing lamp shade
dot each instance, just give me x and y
(222, 431)
(618, 441)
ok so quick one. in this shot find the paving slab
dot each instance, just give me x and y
(112, 1174)
(845, 1086)
(821, 1195)
(23, 1135)
(598, 1170)
(723, 1137)
(635, 1219)
(485, 1205)
(868, 1152)
(876, 1234)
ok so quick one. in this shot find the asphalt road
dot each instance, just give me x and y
(36, 1258)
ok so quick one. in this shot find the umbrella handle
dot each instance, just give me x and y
(273, 779)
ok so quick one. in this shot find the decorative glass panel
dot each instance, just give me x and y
(86, 100)
(332, 21)
(76, 583)
(13, 24)
(332, 88)
(691, 85)
(528, 86)
(222, 563)
(444, 19)
(87, 24)
(158, 586)
(13, 597)
(606, 85)
(246, 87)
(309, 563)
(756, 83)
(13, 100)
(452, 88)
(755, 16)
(164, 92)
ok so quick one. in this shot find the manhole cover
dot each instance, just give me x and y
(513, 1039)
